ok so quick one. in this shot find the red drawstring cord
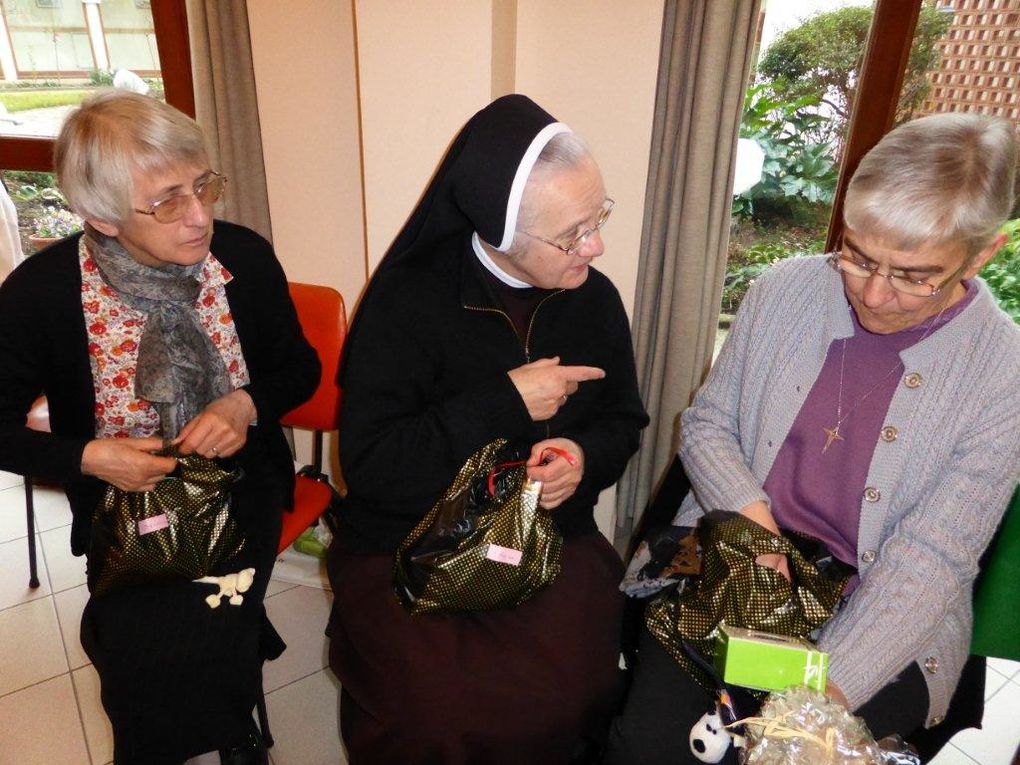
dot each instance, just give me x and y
(500, 467)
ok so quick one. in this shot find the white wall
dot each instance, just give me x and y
(425, 68)
(305, 75)
(593, 64)
(358, 100)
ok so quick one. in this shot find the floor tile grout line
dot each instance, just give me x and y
(33, 685)
(280, 592)
(958, 749)
(56, 616)
(26, 602)
(60, 626)
(298, 680)
(48, 594)
(81, 718)
(41, 552)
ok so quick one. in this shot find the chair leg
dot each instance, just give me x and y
(260, 706)
(33, 573)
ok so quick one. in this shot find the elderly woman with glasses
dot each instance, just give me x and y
(157, 324)
(486, 319)
(868, 398)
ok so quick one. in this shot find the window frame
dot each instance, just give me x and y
(879, 82)
(170, 21)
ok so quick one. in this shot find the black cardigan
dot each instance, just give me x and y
(44, 350)
(425, 386)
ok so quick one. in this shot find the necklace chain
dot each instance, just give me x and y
(832, 434)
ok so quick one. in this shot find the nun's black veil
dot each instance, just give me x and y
(478, 185)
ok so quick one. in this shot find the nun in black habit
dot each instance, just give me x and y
(484, 320)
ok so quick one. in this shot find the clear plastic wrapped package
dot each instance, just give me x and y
(803, 727)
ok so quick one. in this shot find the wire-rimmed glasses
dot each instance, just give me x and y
(900, 282)
(578, 241)
(208, 190)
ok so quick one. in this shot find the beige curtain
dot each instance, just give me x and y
(227, 108)
(704, 59)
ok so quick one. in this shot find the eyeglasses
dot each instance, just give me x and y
(208, 189)
(899, 282)
(578, 241)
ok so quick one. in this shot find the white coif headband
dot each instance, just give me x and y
(513, 205)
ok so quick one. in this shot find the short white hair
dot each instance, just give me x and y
(943, 179)
(563, 151)
(106, 139)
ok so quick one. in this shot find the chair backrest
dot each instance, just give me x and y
(324, 321)
(997, 592)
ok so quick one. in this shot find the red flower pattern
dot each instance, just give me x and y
(114, 331)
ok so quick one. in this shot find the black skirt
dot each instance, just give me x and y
(179, 678)
(533, 684)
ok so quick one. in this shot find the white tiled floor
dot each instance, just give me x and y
(49, 693)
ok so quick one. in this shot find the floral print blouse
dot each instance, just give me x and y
(114, 330)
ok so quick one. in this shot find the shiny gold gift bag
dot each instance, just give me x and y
(179, 530)
(733, 589)
(486, 544)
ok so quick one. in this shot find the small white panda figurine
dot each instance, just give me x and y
(709, 738)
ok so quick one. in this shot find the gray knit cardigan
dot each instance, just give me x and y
(936, 489)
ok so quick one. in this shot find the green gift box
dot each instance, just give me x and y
(768, 662)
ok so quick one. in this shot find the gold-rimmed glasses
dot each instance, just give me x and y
(578, 241)
(208, 190)
(899, 281)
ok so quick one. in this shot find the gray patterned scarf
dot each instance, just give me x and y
(179, 370)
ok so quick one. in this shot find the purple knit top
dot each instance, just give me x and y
(819, 494)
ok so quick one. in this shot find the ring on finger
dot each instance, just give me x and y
(214, 450)
(563, 399)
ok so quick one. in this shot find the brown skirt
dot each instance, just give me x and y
(536, 684)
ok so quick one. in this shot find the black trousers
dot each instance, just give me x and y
(179, 678)
(664, 702)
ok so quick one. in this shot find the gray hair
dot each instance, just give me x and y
(564, 150)
(943, 179)
(111, 135)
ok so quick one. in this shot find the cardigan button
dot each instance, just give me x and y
(868, 556)
(871, 494)
(931, 664)
(889, 433)
(913, 380)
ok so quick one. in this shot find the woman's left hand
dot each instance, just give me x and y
(221, 429)
(558, 476)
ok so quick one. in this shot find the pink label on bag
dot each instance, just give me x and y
(504, 555)
(155, 523)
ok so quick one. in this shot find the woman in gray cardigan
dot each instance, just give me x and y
(868, 398)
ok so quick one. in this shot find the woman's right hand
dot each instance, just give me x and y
(127, 463)
(759, 513)
(545, 384)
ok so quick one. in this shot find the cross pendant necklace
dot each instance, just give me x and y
(832, 434)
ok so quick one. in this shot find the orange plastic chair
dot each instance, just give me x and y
(324, 321)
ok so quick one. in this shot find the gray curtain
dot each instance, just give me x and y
(227, 108)
(704, 59)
